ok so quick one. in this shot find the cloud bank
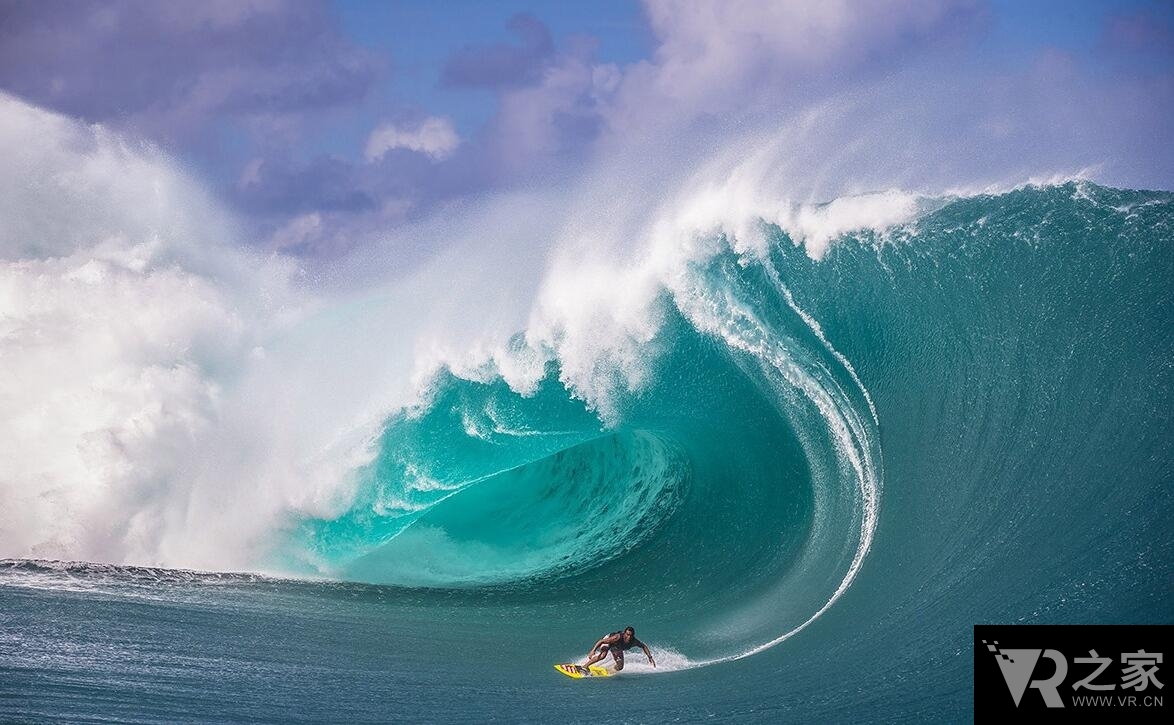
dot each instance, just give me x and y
(242, 88)
(171, 70)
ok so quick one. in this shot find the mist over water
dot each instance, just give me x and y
(728, 413)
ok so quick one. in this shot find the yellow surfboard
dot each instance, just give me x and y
(579, 671)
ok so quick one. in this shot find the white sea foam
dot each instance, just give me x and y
(146, 417)
(667, 660)
(113, 318)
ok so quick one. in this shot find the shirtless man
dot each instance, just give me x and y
(615, 644)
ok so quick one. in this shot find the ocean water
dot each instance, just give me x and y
(801, 474)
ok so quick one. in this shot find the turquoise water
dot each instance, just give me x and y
(831, 470)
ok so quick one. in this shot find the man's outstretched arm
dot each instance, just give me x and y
(647, 653)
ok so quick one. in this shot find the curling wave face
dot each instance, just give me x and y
(737, 481)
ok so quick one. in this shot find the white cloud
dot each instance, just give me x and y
(728, 54)
(298, 231)
(434, 136)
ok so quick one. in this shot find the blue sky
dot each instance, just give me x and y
(348, 118)
(421, 37)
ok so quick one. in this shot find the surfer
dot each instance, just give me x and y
(615, 644)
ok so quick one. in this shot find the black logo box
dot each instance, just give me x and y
(992, 693)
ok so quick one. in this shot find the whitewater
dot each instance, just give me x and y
(802, 445)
